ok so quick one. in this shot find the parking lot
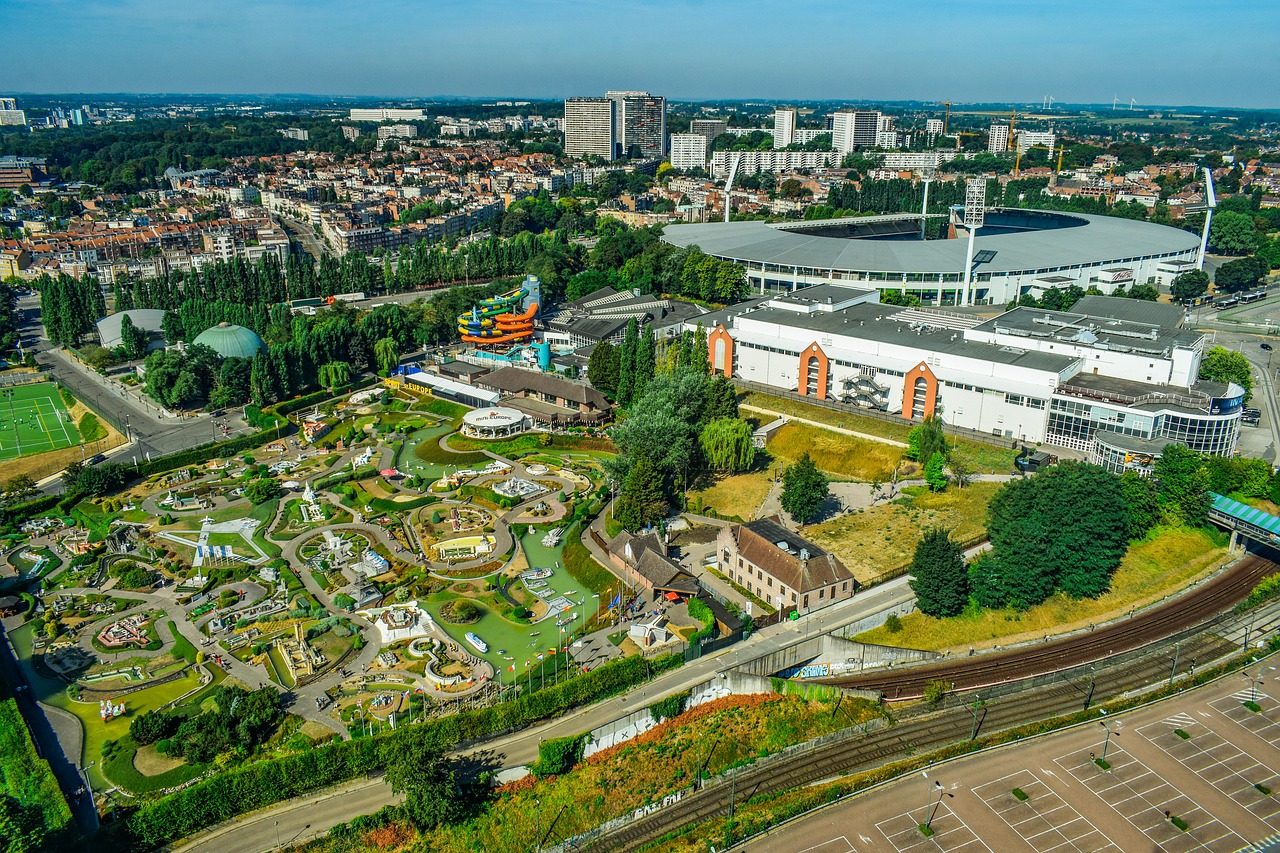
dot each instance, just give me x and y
(1196, 772)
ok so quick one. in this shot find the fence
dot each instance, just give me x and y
(10, 379)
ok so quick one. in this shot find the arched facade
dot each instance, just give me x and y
(919, 392)
(815, 372)
(720, 352)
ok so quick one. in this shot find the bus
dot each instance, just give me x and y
(1230, 302)
(1252, 296)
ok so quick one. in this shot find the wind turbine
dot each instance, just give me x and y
(1051, 100)
(1211, 201)
(1132, 101)
(1115, 99)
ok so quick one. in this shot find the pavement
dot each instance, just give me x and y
(1070, 803)
(308, 814)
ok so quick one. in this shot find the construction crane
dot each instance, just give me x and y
(1017, 161)
(961, 133)
(946, 118)
(1013, 120)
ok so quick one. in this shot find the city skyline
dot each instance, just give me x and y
(991, 51)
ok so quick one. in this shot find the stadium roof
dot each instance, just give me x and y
(147, 319)
(1093, 240)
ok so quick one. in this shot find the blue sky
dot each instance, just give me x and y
(1157, 51)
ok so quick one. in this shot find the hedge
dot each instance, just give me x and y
(264, 783)
(27, 778)
(699, 610)
(558, 756)
(12, 516)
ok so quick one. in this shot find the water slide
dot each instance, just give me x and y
(494, 321)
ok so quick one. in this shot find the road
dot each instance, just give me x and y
(302, 815)
(304, 234)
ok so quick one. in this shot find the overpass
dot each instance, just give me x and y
(1244, 520)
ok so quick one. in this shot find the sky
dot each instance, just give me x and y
(1170, 52)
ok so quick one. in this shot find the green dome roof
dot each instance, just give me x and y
(231, 341)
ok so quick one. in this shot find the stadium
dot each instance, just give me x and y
(1016, 251)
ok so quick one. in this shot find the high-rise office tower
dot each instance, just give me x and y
(589, 127)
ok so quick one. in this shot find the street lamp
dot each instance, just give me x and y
(938, 789)
(1106, 743)
(1255, 683)
(277, 826)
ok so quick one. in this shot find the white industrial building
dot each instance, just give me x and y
(1113, 378)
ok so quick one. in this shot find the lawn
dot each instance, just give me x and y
(739, 495)
(846, 420)
(34, 419)
(1163, 563)
(842, 457)
(879, 542)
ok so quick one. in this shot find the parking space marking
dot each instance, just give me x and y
(832, 846)
(1221, 763)
(1260, 723)
(1044, 820)
(950, 833)
(1148, 802)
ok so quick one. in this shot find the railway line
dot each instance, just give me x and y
(1052, 695)
(1195, 607)
(1015, 686)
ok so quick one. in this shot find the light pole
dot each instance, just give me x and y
(1107, 742)
(938, 789)
(1254, 683)
(277, 826)
(537, 808)
(88, 787)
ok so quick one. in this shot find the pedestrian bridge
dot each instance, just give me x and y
(1244, 520)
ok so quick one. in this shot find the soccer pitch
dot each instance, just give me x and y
(33, 419)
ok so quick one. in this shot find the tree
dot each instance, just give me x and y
(152, 726)
(927, 438)
(1233, 233)
(1039, 548)
(262, 490)
(1183, 486)
(1224, 365)
(1145, 293)
(722, 399)
(935, 473)
(1240, 274)
(1189, 285)
(627, 362)
(19, 487)
(640, 502)
(1140, 496)
(387, 352)
(334, 374)
(940, 577)
(132, 339)
(804, 489)
(418, 769)
(602, 369)
(727, 444)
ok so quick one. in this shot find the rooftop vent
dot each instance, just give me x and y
(784, 546)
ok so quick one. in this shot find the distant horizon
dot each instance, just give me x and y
(388, 99)
(972, 51)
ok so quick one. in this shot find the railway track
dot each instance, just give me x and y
(1193, 608)
(1066, 675)
(1062, 693)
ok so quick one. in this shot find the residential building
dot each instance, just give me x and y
(916, 159)
(709, 127)
(384, 114)
(752, 162)
(784, 127)
(852, 129)
(349, 132)
(13, 262)
(295, 133)
(998, 138)
(1025, 139)
(397, 131)
(644, 564)
(639, 124)
(781, 567)
(10, 115)
(808, 134)
(933, 127)
(688, 151)
(589, 127)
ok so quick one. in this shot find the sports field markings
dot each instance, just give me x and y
(1222, 764)
(1143, 798)
(1044, 820)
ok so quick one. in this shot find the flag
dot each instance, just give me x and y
(617, 599)
(512, 667)
(539, 655)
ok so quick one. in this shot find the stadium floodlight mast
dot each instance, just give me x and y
(1211, 202)
(975, 210)
(728, 184)
(926, 175)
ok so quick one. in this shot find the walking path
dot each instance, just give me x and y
(821, 425)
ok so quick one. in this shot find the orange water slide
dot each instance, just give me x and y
(508, 328)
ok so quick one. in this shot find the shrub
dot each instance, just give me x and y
(558, 756)
(670, 707)
(893, 623)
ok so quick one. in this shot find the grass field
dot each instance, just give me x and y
(1163, 563)
(738, 495)
(881, 540)
(33, 419)
(842, 457)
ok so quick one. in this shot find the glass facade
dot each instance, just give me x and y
(1075, 423)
